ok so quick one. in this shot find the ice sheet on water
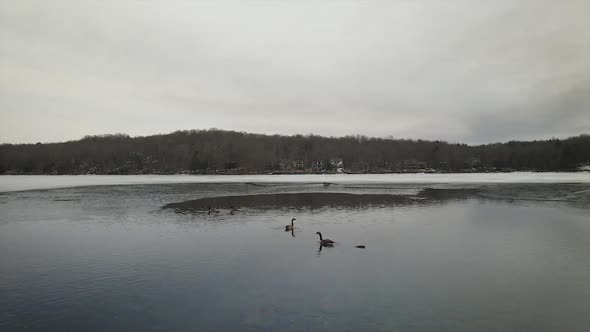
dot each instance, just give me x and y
(311, 200)
(308, 196)
(35, 182)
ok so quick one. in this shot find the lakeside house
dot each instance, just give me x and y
(337, 164)
(298, 164)
(413, 165)
(317, 165)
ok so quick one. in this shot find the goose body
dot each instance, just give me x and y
(325, 242)
(290, 227)
(210, 210)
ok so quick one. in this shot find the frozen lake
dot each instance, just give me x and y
(30, 182)
(491, 252)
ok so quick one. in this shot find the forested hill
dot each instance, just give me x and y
(218, 151)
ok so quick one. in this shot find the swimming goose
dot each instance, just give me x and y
(212, 210)
(290, 227)
(326, 242)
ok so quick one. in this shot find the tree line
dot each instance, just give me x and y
(219, 151)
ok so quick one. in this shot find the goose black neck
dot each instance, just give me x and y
(320, 234)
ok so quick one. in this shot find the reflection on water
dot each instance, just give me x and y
(445, 258)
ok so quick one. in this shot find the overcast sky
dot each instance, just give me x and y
(456, 70)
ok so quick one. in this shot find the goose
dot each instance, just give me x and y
(326, 242)
(212, 210)
(290, 227)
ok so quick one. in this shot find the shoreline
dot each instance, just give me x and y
(11, 183)
(295, 173)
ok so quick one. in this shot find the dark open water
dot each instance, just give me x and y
(477, 257)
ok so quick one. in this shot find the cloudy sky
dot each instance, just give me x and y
(457, 70)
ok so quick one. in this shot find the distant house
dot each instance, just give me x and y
(413, 165)
(337, 163)
(276, 166)
(317, 165)
(298, 164)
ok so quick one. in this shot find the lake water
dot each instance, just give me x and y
(499, 254)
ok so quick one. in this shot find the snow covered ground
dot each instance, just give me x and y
(33, 182)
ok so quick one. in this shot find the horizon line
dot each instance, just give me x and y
(388, 137)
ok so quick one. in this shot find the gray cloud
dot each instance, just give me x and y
(453, 70)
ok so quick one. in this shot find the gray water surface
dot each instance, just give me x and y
(454, 257)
